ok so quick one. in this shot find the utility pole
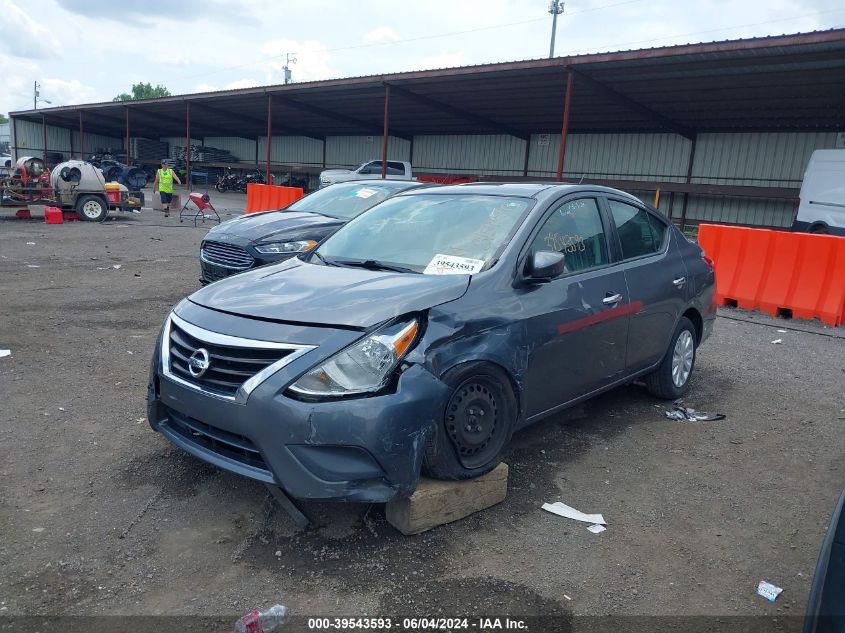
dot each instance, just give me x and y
(555, 8)
(290, 58)
(35, 96)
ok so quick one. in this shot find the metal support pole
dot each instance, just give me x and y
(81, 138)
(44, 129)
(128, 149)
(269, 135)
(188, 144)
(385, 132)
(15, 139)
(689, 180)
(527, 156)
(564, 129)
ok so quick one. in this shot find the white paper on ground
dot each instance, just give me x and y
(768, 591)
(597, 529)
(453, 265)
(5, 352)
(777, 341)
(564, 510)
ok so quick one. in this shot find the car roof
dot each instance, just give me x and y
(397, 184)
(536, 190)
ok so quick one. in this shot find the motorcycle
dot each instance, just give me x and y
(229, 181)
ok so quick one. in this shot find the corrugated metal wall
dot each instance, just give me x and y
(95, 142)
(763, 159)
(773, 159)
(178, 140)
(242, 149)
(614, 156)
(30, 138)
(477, 155)
(299, 150)
(350, 151)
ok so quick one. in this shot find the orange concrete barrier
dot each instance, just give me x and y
(270, 197)
(778, 272)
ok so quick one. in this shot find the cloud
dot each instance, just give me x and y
(67, 91)
(143, 13)
(22, 36)
(381, 34)
(312, 60)
(443, 60)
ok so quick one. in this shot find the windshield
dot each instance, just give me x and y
(429, 233)
(344, 200)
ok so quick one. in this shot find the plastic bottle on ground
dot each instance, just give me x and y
(262, 621)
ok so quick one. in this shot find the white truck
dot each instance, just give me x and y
(396, 170)
(821, 208)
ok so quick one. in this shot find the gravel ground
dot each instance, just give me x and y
(98, 514)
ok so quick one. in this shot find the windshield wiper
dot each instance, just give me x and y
(374, 264)
(322, 259)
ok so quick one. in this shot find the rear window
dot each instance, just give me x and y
(345, 200)
(639, 233)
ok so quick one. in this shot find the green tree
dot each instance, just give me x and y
(3, 119)
(143, 91)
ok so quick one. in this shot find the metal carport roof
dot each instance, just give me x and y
(778, 83)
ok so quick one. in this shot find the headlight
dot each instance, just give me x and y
(362, 367)
(276, 248)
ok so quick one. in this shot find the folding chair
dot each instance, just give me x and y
(201, 202)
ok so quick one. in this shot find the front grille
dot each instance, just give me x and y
(227, 255)
(229, 367)
(216, 273)
(231, 445)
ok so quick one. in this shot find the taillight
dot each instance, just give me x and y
(708, 261)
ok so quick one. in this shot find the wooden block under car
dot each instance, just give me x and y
(438, 502)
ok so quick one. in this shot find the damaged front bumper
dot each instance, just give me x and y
(363, 449)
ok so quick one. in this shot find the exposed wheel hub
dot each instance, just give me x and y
(472, 421)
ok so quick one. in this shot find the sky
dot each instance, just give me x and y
(83, 51)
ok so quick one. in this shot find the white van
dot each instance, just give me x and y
(822, 204)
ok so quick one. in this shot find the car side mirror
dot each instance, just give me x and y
(543, 266)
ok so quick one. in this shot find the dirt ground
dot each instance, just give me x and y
(98, 514)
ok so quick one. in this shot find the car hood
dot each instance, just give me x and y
(297, 291)
(335, 172)
(260, 227)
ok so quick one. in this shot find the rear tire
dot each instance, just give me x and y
(477, 423)
(220, 187)
(91, 209)
(672, 377)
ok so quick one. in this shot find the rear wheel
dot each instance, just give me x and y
(221, 187)
(91, 209)
(476, 425)
(671, 379)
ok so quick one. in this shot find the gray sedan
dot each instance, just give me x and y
(427, 330)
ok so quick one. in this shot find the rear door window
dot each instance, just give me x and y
(395, 169)
(574, 229)
(639, 233)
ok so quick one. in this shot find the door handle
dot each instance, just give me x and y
(679, 282)
(612, 300)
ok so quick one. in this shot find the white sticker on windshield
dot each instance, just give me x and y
(451, 265)
(366, 193)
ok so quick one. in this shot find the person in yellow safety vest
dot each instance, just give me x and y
(164, 182)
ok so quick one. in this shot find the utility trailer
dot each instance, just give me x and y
(74, 185)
